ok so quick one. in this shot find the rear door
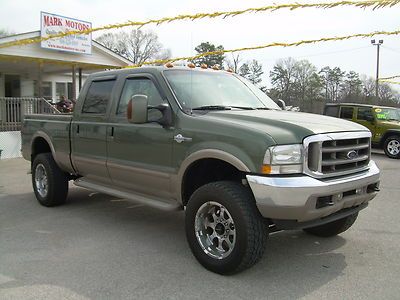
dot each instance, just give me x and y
(347, 112)
(89, 131)
(140, 155)
(363, 114)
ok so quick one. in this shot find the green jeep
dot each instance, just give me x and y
(383, 122)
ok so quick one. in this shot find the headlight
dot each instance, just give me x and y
(285, 159)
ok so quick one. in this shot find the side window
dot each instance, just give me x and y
(98, 97)
(364, 113)
(140, 86)
(331, 111)
(346, 113)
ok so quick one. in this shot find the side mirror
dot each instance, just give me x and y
(137, 109)
(281, 104)
(166, 111)
(370, 118)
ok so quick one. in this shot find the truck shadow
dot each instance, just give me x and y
(144, 250)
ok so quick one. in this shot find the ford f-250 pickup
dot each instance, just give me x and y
(212, 144)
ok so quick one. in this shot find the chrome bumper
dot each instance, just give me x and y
(296, 198)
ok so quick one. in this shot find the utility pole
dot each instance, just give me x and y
(378, 44)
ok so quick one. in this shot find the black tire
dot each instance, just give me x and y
(390, 146)
(56, 189)
(250, 230)
(333, 228)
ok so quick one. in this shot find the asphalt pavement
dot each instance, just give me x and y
(101, 247)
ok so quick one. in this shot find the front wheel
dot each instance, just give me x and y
(333, 228)
(392, 146)
(224, 228)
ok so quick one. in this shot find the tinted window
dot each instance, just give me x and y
(331, 111)
(346, 112)
(364, 113)
(98, 97)
(140, 86)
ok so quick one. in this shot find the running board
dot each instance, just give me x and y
(128, 195)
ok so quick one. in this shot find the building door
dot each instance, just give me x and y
(12, 86)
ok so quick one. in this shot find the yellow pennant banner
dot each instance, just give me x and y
(276, 44)
(374, 4)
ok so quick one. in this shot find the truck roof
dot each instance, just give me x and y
(152, 70)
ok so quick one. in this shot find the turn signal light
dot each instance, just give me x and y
(169, 65)
(191, 65)
(266, 169)
(204, 66)
(216, 67)
(230, 70)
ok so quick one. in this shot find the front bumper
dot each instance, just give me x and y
(303, 198)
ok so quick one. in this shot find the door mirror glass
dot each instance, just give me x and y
(137, 109)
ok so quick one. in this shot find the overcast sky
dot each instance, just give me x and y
(246, 30)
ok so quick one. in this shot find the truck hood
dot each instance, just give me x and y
(285, 126)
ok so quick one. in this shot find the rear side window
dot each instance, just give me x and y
(98, 97)
(332, 111)
(364, 113)
(346, 112)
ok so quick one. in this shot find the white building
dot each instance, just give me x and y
(32, 71)
(32, 77)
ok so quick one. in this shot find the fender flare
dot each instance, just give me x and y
(207, 154)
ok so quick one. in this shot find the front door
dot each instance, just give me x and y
(364, 116)
(140, 155)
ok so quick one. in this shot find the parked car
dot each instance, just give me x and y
(210, 143)
(382, 121)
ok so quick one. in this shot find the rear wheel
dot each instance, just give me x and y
(50, 184)
(224, 228)
(333, 228)
(392, 146)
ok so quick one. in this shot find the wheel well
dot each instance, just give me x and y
(40, 145)
(205, 171)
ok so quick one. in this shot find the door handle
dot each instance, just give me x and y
(179, 138)
(77, 129)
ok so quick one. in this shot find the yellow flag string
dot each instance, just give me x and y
(276, 44)
(374, 4)
(389, 81)
(388, 78)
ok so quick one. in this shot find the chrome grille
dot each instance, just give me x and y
(337, 154)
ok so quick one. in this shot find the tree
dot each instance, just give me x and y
(282, 79)
(210, 60)
(352, 87)
(332, 80)
(234, 63)
(136, 45)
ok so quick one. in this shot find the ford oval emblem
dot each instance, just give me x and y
(352, 154)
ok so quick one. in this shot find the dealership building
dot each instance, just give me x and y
(35, 75)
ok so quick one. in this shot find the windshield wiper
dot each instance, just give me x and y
(244, 107)
(264, 108)
(212, 107)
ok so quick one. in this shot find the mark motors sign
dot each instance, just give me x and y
(54, 24)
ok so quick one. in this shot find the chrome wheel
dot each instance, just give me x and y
(215, 230)
(393, 147)
(41, 182)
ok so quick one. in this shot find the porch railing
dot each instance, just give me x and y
(13, 110)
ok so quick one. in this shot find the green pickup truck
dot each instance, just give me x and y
(383, 122)
(212, 144)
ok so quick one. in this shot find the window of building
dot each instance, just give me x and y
(346, 112)
(61, 90)
(98, 97)
(46, 89)
(140, 86)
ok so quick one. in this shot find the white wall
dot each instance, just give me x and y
(10, 143)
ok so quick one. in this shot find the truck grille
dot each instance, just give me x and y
(337, 154)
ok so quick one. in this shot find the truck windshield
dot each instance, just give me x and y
(387, 114)
(203, 90)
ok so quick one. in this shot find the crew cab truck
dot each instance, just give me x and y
(210, 143)
(382, 121)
